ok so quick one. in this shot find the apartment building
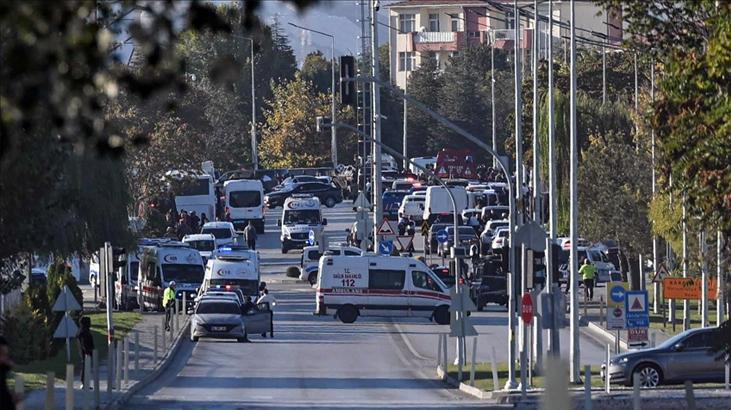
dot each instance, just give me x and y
(437, 29)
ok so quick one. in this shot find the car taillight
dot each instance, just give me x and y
(228, 287)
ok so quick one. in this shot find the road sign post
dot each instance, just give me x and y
(636, 311)
(385, 248)
(615, 306)
(66, 302)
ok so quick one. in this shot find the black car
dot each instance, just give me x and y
(328, 194)
(490, 283)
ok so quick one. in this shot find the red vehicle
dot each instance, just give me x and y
(455, 163)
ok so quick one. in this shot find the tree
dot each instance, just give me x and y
(424, 84)
(317, 70)
(289, 138)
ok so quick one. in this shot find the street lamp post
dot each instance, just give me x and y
(254, 150)
(333, 134)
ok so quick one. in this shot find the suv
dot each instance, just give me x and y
(328, 194)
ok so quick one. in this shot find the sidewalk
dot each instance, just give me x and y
(148, 367)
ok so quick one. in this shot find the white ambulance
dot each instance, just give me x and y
(300, 215)
(380, 286)
(165, 262)
(245, 201)
(231, 270)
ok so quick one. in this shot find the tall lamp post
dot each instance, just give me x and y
(254, 151)
(333, 135)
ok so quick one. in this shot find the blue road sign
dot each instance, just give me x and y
(636, 311)
(311, 238)
(617, 293)
(442, 236)
(385, 248)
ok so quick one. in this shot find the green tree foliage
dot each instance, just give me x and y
(289, 138)
(422, 139)
(317, 70)
(27, 333)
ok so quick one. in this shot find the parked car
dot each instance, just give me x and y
(467, 238)
(328, 194)
(686, 356)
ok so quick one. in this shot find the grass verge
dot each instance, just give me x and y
(483, 376)
(34, 373)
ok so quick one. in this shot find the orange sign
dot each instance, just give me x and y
(687, 288)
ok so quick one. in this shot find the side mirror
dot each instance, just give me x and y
(324, 221)
(279, 222)
(678, 347)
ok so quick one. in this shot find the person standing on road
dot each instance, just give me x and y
(86, 345)
(271, 302)
(250, 236)
(168, 301)
(8, 400)
(588, 273)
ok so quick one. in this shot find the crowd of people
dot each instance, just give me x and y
(184, 224)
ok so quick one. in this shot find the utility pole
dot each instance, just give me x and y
(604, 58)
(364, 100)
(511, 384)
(721, 278)
(492, 96)
(703, 248)
(406, 115)
(333, 131)
(376, 126)
(536, 146)
(655, 285)
(637, 101)
(686, 305)
(552, 332)
(575, 371)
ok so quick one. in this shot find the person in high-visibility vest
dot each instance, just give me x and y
(588, 273)
(168, 299)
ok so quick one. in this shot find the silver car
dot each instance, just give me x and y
(217, 318)
(686, 356)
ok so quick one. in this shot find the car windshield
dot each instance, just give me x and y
(597, 256)
(195, 188)
(244, 199)
(203, 245)
(302, 216)
(230, 308)
(182, 273)
(248, 286)
(219, 233)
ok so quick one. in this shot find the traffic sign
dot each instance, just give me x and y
(637, 336)
(405, 242)
(386, 229)
(385, 248)
(461, 301)
(442, 236)
(527, 309)
(635, 303)
(660, 274)
(361, 202)
(66, 329)
(424, 228)
(615, 305)
(66, 302)
(687, 288)
(311, 238)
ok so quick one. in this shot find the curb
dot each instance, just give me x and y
(606, 335)
(497, 397)
(160, 367)
(289, 281)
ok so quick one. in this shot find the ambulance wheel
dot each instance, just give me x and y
(330, 202)
(441, 315)
(194, 338)
(312, 278)
(285, 250)
(347, 314)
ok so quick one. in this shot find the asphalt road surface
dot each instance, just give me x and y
(318, 362)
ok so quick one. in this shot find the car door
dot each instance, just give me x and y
(423, 294)
(258, 321)
(691, 358)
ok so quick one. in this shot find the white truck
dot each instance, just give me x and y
(300, 215)
(439, 205)
(245, 201)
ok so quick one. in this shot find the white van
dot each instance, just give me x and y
(245, 201)
(233, 270)
(204, 243)
(300, 215)
(423, 162)
(223, 232)
(166, 262)
(604, 268)
(413, 206)
(438, 203)
(310, 260)
(380, 286)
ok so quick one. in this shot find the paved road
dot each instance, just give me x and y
(317, 362)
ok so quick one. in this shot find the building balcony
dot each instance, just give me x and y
(425, 41)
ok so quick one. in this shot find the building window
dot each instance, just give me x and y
(433, 22)
(407, 23)
(406, 61)
(455, 23)
(509, 20)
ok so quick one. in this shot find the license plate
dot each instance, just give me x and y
(218, 328)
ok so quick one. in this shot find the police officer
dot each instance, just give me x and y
(168, 300)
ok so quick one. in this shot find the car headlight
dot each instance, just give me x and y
(619, 361)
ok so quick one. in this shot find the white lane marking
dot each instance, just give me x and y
(408, 344)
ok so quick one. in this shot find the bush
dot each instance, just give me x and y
(28, 335)
(36, 299)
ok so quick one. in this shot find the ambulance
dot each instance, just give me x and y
(165, 262)
(231, 270)
(300, 215)
(380, 286)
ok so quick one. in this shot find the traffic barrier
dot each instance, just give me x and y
(137, 352)
(19, 389)
(728, 374)
(587, 387)
(118, 366)
(439, 350)
(177, 319)
(154, 346)
(444, 354)
(652, 339)
(602, 318)
(95, 365)
(689, 396)
(556, 395)
(164, 336)
(87, 388)
(636, 399)
(126, 361)
(185, 303)
(69, 386)
(607, 382)
(472, 364)
(50, 390)
(493, 367)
